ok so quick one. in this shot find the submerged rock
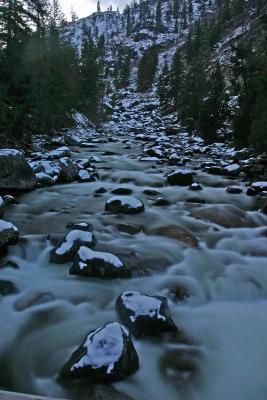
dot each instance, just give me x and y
(7, 287)
(180, 365)
(161, 202)
(124, 205)
(9, 235)
(106, 355)
(68, 247)
(15, 172)
(234, 190)
(176, 232)
(145, 315)
(97, 264)
(180, 177)
(122, 191)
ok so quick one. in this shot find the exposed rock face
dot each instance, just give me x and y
(178, 233)
(68, 247)
(9, 235)
(15, 172)
(97, 264)
(145, 315)
(180, 177)
(124, 205)
(107, 355)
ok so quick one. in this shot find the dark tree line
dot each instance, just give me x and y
(43, 80)
(201, 89)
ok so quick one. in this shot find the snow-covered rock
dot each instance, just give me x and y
(69, 170)
(260, 186)
(124, 205)
(9, 235)
(68, 247)
(106, 355)
(61, 152)
(85, 176)
(143, 314)
(97, 264)
(181, 177)
(15, 172)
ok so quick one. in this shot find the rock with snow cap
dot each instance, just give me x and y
(145, 315)
(44, 179)
(68, 247)
(85, 176)
(195, 187)
(15, 172)
(61, 152)
(69, 170)
(260, 186)
(124, 205)
(232, 169)
(106, 355)
(9, 235)
(180, 177)
(98, 264)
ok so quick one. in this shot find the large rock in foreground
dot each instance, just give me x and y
(98, 264)
(145, 315)
(15, 172)
(124, 205)
(180, 177)
(107, 355)
(9, 235)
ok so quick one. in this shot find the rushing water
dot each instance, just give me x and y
(224, 320)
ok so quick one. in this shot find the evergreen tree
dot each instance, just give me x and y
(214, 108)
(159, 16)
(147, 69)
(163, 88)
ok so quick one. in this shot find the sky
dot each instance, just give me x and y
(86, 7)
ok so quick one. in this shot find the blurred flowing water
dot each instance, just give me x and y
(224, 319)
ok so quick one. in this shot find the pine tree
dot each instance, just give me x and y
(98, 6)
(147, 68)
(214, 108)
(159, 16)
(73, 15)
(163, 88)
(176, 78)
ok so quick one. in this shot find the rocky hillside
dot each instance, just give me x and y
(165, 23)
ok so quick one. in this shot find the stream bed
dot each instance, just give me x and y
(217, 291)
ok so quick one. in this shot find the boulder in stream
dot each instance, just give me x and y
(69, 170)
(15, 172)
(180, 177)
(88, 262)
(145, 315)
(124, 205)
(68, 247)
(176, 232)
(9, 235)
(106, 355)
